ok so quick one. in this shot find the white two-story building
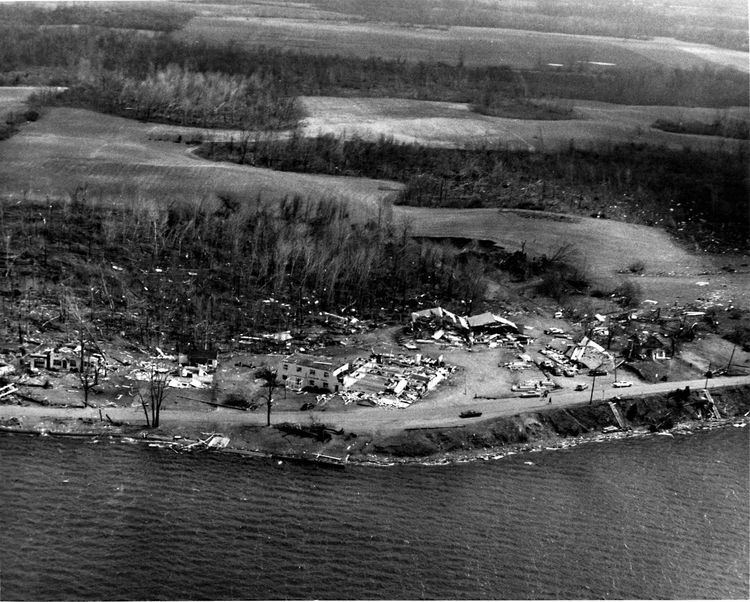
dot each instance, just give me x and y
(298, 371)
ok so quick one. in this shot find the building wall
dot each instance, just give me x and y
(297, 376)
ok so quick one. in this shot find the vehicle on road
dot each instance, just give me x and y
(621, 384)
(531, 394)
(470, 414)
(597, 372)
(581, 387)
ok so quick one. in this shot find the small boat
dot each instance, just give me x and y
(470, 414)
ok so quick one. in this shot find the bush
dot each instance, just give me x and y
(629, 293)
(637, 267)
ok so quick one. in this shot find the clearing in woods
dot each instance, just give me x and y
(454, 125)
(604, 248)
(114, 158)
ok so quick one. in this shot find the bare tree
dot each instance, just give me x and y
(157, 393)
(271, 382)
(89, 364)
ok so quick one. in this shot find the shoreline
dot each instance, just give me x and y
(449, 458)
(493, 439)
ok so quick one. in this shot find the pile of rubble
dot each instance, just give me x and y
(390, 380)
(440, 326)
(320, 329)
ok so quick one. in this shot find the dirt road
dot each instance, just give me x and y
(370, 420)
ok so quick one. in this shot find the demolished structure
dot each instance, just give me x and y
(442, 325)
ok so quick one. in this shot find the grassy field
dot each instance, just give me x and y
(605, 248)
(114, 158)
(473, 45)
(12, 99)
(450, 125)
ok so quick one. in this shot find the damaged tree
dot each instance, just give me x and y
(271, 382)
(89, 365)
(157, 393)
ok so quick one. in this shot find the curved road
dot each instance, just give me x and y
(374, 420)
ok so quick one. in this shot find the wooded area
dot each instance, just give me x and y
(696, 195)
(206, 271)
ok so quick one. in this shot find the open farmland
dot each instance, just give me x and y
(114, 158)
(473, 45)
(605, 248)
(454, 125)
(12, 99)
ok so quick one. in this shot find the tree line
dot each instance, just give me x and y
(189, 98)
(124, 15)
(694, 194)
(71, 57)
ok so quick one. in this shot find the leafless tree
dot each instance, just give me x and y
(157, 392)
(271, 382)
(89, 364)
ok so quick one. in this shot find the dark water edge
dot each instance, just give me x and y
(661, 517)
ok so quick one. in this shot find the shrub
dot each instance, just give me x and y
(629, 293)
(637, 267)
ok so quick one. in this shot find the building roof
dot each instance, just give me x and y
(313, 361)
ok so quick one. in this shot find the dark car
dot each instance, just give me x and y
(597, 372)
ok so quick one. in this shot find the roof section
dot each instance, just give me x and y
(313, 361)
(489, 319)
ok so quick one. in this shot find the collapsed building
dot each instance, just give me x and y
(381, 379)
(590, 355)
(438, 324)
(64, 359)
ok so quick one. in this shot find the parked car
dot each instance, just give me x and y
(581, 387)
(530, 394)
(621, 384)
(597, 372)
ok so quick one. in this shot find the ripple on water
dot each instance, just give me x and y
(650, 518)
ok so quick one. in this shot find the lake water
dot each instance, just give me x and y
(659, 517)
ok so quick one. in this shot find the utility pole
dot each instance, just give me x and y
(707, 373)
(593, 383)
(731, 357)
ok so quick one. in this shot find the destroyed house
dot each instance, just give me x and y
(200, 357)
(443, 316)
(37, 360)
(589, 354)
(653, 346)
(299, 371)
(64, 359)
